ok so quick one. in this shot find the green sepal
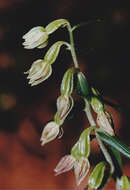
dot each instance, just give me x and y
(54, 25)
(53, 52)
(96, 176)
(67, 82)
(82, 88)
(114, 142)
(75, 151)
(82, 147)
(97, 105)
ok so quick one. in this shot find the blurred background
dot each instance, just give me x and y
(103, 54)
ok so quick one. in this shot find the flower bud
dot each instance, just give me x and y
(64, 106)
(66, 163)
(123, 183)
(96, 176)
(49, 133)
(54, 25)
(105, 122)
(97, 105)
(53, 52)
(67, 82)
(82, 85)
(39, 71)
(81, 168)
(36, 37)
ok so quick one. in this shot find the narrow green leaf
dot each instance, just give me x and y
(106, 153)
(114, 142)
(117, 157)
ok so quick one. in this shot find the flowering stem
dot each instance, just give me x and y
(73, 53)
(88, 113)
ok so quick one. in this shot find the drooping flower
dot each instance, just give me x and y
(36, 37)
(39, 71)
(49, 133)
(81, 168)
(64, 106)
(105, 122)
(65, 164)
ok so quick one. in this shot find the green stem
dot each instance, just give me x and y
(88, 113)
(73, 53)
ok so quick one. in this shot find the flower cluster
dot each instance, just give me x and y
(74, 81)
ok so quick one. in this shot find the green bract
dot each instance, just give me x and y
(96, 176)
(54, 25)
(82, 85)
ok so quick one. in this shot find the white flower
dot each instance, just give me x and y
(36, 37)
(65, 164)
(104, 121)
(81, 168)
(64, 106)
(49, 133)
(39, 71)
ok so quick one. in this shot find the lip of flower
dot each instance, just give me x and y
(49, 133)
(65, 164)
(39, 71)
(36, 37)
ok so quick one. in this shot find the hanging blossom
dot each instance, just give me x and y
(81, 167)
(50, 132)
(36, 37)
(39, 72)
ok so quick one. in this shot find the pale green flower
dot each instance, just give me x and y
(39, 71)
(36, 37)
(50, 132)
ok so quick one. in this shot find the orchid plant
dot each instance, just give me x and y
(102, 129)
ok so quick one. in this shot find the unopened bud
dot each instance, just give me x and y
(36, 37)
(97, 105)
(65, 164)
(104, 121)
(54, 25)
(82, 85)
(49, 133)
(96, 176)
(39, 71)
(123, 183)
(81, 168)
